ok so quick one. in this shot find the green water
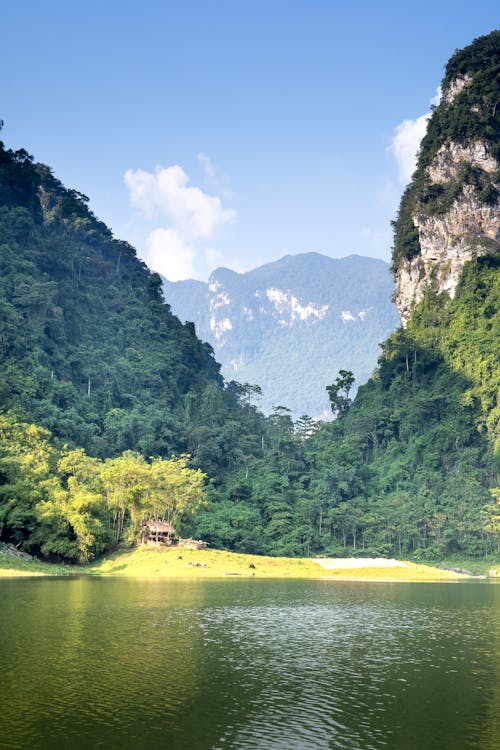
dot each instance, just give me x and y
(107, 663)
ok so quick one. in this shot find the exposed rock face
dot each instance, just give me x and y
(469, 228)
(12, 551)
(456, 87)
(452, 156)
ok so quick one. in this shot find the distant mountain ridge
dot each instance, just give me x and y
(90, 351)
(289, 326)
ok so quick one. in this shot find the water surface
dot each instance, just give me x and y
(121, 663)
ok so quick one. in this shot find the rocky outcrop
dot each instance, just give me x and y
(12, 551)
(453, 156)
(455, 88)
(448, 240)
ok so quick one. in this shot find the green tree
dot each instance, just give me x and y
(176, 491)
(338, 393)
(126, 482)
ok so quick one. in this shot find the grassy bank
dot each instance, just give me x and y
(475, 565)
(15, 567)
(165, 563)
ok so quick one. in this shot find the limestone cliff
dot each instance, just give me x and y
(450, 213)
(449, 240)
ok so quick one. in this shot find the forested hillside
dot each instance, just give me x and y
(101, 384)
(89, 350)
(413, 464)
(408, 467)
(91, 360)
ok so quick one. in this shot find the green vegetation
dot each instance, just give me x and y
(178, 562)
(338, 393)
(473, 115)
(11, 567)
(90, 351)
(409, 467)
(114, 412)
(88, 348)
(317, 314)
(64, 503)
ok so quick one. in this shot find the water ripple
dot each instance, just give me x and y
(248, 665)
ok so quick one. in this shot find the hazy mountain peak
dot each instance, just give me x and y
(291, 324)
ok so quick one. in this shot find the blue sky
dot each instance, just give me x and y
(231, 133)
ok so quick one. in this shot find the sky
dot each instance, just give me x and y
(229, 133)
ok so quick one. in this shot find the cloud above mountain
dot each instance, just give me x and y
(406, 141)
(169, 254)
(189, 216)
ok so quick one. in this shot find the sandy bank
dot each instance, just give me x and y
(354, 563)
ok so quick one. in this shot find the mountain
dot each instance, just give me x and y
(411, 466)
(88, 349)
(447, 233)
(424, 430)
(449, 213)
(289, 326)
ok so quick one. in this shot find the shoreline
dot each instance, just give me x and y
(179, 563)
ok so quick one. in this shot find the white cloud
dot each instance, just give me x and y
(406, 143)
(436, 99)
(193, 217)
(212, 177)
(166, 192)
(407, 138)
(209, 171)
(168, 254)
(346, 316)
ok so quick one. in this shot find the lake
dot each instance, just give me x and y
(122, 663)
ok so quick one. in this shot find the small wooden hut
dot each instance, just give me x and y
(158, 532)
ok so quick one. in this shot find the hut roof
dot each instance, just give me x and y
(158, 527)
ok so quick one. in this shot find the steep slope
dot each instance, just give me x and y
(453, 205)
(289, 326)
(409, 466)
(450, 214)
(425, 429)
(88, 348)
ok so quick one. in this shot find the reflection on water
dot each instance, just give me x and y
(91, 663)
